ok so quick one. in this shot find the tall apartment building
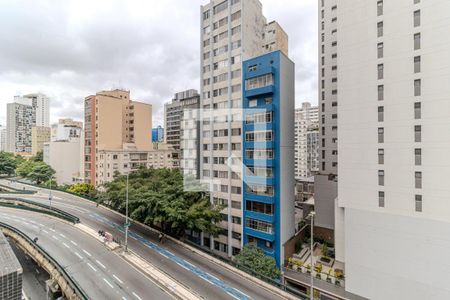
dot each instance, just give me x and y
(112, 122)
(66, 129)
(11, 272)
(22, 115)
(231, 31)
(173, 116)
(158, 134)
(2, 138)
(39, 136)
(306, 141)
(325, 182)
(268, 152)
(393, 227)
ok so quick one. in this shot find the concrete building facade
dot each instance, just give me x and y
(231, 31)
(113, 120)
(3, 134)
(268, 152)
(158, 134)
(66, 129)
(306, 141)
(392, 221)
(39, 136)
(327, 176)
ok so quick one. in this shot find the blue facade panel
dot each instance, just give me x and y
(267, 96)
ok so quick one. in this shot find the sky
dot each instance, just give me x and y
(74, 48)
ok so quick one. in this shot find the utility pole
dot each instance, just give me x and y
(312, 250)
(50, 193)
(126, 218)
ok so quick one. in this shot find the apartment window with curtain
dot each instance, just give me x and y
(381, 177)
(380, 52)
(417, 110)
(417, 41)
(380, 29)
(417, 18)
(418, 200)
(380, 156)
(417, 87)
(380, 8)
(417, 64)
(417, 133)
(418, 157)
(418, 180)
(380, 199)
(381, 92)
(380, 71)
(381, 135)
(380, 113)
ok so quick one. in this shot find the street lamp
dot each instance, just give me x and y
(311, 215)
(50, 192)
(126, 217)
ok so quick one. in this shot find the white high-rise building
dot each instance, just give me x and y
(66, 129)
(231, 31)
(306, 141)
(22, 115)
(2, 138)
(393, 211)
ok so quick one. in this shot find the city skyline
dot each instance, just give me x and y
(68, 73)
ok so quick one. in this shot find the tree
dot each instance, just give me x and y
(7, 163)
(41, 172)
(39, 157)
(254, 259)
(158, 197)
(83, 189)
(25, 167)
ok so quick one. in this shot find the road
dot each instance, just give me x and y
(205, 277)
(100, 272)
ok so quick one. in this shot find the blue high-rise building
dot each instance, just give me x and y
(268, 152)
(158, 134)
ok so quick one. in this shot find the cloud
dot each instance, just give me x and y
(71, 49)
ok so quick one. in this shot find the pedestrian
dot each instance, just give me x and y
(160, 236)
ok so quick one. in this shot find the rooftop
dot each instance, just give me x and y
(8, 260)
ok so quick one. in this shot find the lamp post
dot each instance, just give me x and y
(126, 217)
(312, 250)
(50, 192)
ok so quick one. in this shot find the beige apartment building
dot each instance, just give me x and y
(39, 136)
(112, 122)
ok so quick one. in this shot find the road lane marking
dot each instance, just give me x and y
(52, 230)
(134, 294)
(87, 252)
(92, 267)
(104, 279)
(62, 235)
(118, 279)
(74, 243)
(65, 245)
(55, 237)
(101, 265)
(78, 254)
(44, 231)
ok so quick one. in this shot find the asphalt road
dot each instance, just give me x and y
(101, 273)
(206, 278)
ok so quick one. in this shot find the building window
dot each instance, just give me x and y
(417, 18)
(259, 81)
(380, 92)
(417, 87)
(418, 181)
(259, 225)
(380, 51)
(417, 133)
(381, 177)
(417, 41)
(417, 64)
(418, 203)
(380, 29)
(381, 156)
(380, 7)
(380, 113)
(416, 1)
(417, 110)
(418, 157)
(380, 71)
(381, 135)
(380, 199)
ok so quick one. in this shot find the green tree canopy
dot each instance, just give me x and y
(39, 157)
(83, 189)
(7, 163)
(254, 258)
(41, 172)
(158, 197)
(25, 167)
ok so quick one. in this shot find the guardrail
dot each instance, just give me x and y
(44, 208)
(11, 190)
(70, 281)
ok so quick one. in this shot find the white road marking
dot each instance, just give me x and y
(55, 237)
(65, 245)
(41, 224)
(87, 252)
(44, 231)
(104, 279)
(92, 267)
(74, 243)
(123, 298)
(102, 265)
(134, 294)
(62, 235)
(52, 230)
(118, 279)
(77, 254)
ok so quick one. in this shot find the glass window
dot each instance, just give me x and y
(418, 181)
(380, 7)
(380, 113)
(418, 199)
(380, 156)
(252, 103)
(417, 18)
(380, 135)
(418, 157)
(380, 51)
(417, 87)
(259, 225)
(381, 199)
(417, 64)
(417, 110)
(380, 71)
(381, 177)
(380, 29)
(417, 133)
(380, 92)
(417, 41)
(259, 81)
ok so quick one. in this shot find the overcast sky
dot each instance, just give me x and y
(69, 49)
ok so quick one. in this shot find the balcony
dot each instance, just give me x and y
(268, 89)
